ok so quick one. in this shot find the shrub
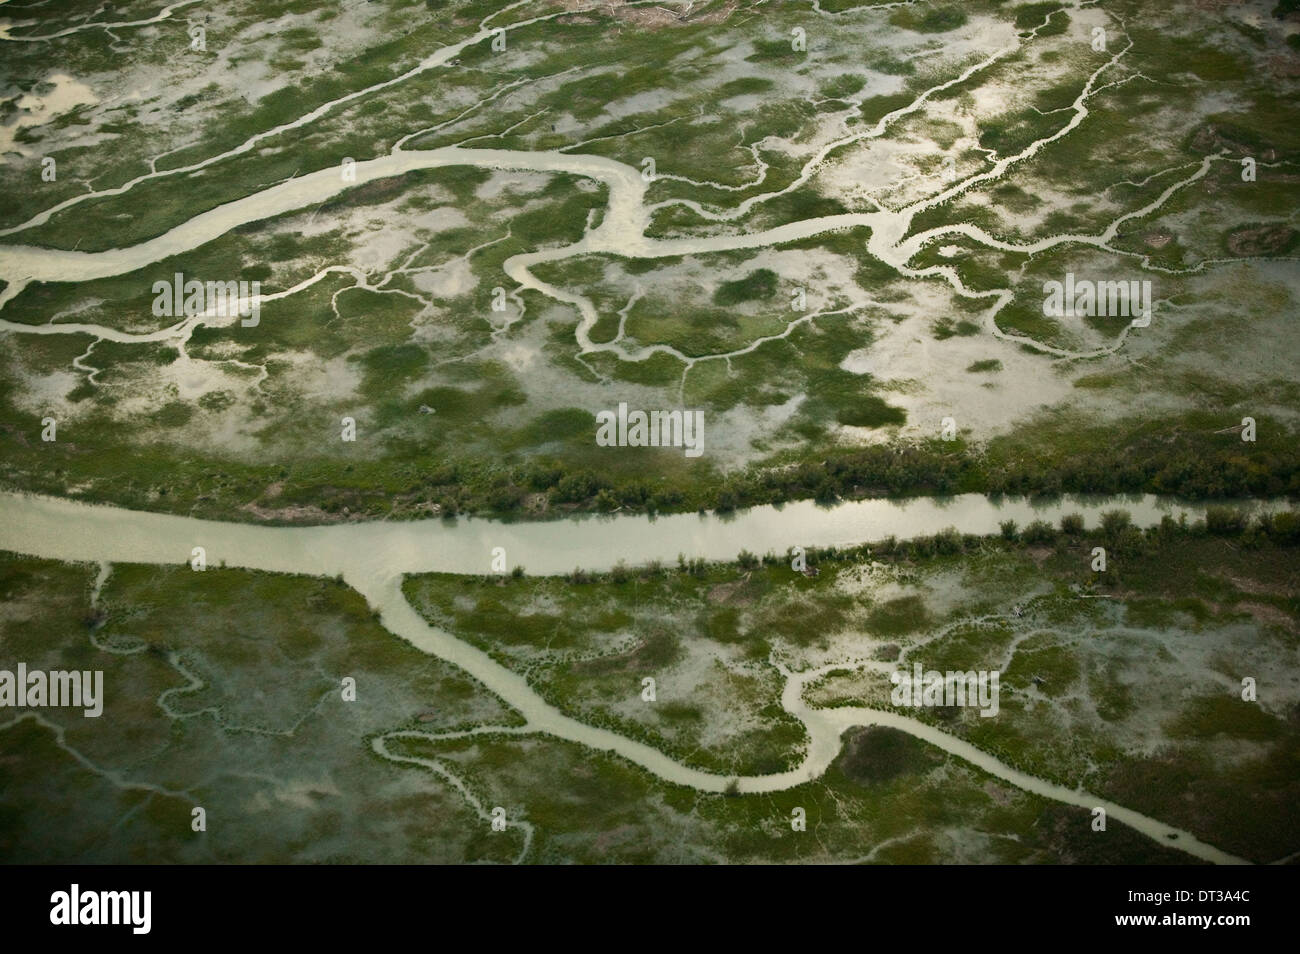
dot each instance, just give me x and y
(505, 499)
(1282, 527)
(1224, 521)
(575, 488)
(1115, 522)
(1040, 531)
(948, 541)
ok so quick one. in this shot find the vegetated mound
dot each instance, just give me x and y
(1158, 238)
(1261, 240)
(1217, 137)
(877, 753)
(656, 18)
(755, 286)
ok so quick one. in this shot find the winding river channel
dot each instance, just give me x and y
(69, 530)
(621, 231)
(373, 557)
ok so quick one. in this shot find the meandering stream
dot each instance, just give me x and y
(373, 557)
(621, 230)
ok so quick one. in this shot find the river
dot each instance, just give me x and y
(70, 530)
(373, 557)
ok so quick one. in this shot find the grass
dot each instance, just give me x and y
(602, 683)
(496, 445)
(1210, 716)
(938, 19)
(302, 633)
(758, 285)
(899, 616)
(265, 719)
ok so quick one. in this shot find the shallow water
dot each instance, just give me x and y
(374, 556)
(68, 530)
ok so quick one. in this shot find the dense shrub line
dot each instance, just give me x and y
(1115, 531)
(1192, 465)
